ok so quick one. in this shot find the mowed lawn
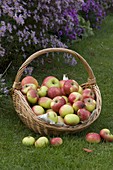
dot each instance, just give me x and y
(98, 52)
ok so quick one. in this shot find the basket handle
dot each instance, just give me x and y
(91, 78)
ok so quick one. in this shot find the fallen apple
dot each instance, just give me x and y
(41, 142)
(56, 141)
(28, 140)
(106, 135)
(93, 137)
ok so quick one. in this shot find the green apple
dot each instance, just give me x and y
(45, 102)
(42, 91)
(71, 119)
(41, 142)
(66, 109)
(52, 116)
(27, 87)
(32, 96)
(51, 81)
(38, 110)
(28, 140)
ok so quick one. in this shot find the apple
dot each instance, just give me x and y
(80, 89)
(32, 96)
(88, 93)
(70, 86)
(93, 137)
(29, 80)
(78, 105)
(41, 142)
(56, 141)
(27, 87)
(66, 98)
(60, 120)
(51, 81)
(74, 96)
(38, 110)
(62, 83)
(106, 135)
(83, 114)
(57, 102)
(28, 140)
(62, 91)
(45, 102)
(90, 104)
(53, 92)
(52, 116)
(71, 119)
(42, 91)
(66, 109)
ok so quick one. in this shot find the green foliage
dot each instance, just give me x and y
(98, 52)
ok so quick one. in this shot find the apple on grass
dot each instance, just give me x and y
(83, 114)
(66, 109)
(56, 141)
(57, 102)
(38, 110)
(32, 96)
(90, 104)
(88, 93)
(29, 80)
(53, 92)
(41, 142)
(106, 135)
(45, 102)
(28, 140)
(27, 87)
(93, 137)
(74, 96)
(42, 91)
(70, 86)
(71, 119)
(51, 81)
(78, 105)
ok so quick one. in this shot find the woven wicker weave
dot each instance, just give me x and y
(25, 112)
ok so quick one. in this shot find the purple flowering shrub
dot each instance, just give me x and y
(94, 12)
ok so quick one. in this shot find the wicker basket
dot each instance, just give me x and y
(25, 112)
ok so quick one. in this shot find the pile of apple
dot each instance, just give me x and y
(56, 101)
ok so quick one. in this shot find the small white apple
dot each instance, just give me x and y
(41, 142)
(28, 140)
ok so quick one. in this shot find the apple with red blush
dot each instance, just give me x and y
(57, 102)
(83, 114)
(90, 104)
(70, 86)
(45, 102)
(78, 105)
(93, 137)
(32, 96)
(106, 135)
(29, 80)
(88, 93)
(51, 81)
(53, 92)
(56, 141)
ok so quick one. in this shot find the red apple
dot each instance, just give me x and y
(53, 92)
(45, 102)
(32, 96)
(51, 81)
(93, 137)
(70, 86)
(78, 105)
(57, 102)
(66, 109)
(56, 141)
(29, 80)
(71, 119)
(88, 93)
(90, 104)
(106, 135)
(74, 96)
(62, 83)
(83, 114)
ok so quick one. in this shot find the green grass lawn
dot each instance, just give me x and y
(98, 52)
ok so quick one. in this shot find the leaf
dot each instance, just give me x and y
(87, 150)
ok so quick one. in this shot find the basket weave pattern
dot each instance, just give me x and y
(25, 112)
